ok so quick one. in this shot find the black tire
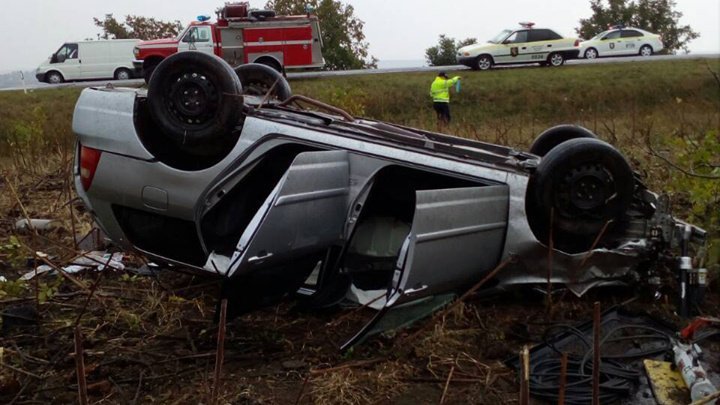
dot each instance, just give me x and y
(123, 74)
(552, 137)
(556, 59)
(195, 98)
(54, 77)
(582, 183)
(256, 79)
(483, 62)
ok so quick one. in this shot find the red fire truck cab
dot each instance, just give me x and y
(242, 36)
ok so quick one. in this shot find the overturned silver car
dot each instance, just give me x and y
(226, 172)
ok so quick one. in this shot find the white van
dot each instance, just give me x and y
(88, 60)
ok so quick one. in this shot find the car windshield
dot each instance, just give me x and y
(600, 35)
(499, 37)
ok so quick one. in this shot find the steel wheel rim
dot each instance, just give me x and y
(192, 98)
(590, 54)
(556, 60)
(54, 79)
(123, 75)
(645, 51)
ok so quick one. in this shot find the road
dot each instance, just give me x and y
(316, 74)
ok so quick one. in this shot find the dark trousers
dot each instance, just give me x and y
(443, 112)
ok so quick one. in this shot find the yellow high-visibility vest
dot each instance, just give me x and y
(440, 89)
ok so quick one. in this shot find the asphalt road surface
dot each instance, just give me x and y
(315, 74)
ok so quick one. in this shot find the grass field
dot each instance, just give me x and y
(152, 339)
(670, 107)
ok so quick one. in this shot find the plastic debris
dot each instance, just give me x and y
(37, 224)
(96, 260)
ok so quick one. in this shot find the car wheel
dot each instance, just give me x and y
(54, 78)
(581, 184)
(257, 79)
(123, 74)
(556, 59)
(646, 50)
(483, 62)
(195, 98)
(556, 135)
(591, 53)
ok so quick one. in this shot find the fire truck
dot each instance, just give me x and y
(241, 35)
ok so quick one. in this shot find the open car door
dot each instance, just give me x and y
(457, 235)
(303, 216)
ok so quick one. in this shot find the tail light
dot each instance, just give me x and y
(577, 42)
(89, 159)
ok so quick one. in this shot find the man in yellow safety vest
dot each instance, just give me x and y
(440, 93)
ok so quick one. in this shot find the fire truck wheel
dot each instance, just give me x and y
(195, 98)
(257, 79)
(580, 186)
(556, 135)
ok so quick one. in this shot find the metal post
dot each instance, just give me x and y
(596, 355)
(524, 376)
(563, 379)
(220, 353)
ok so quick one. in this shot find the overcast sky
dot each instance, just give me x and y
(395, 29)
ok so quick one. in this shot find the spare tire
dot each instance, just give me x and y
(582, 184)
(257, 79)
(556, 135)
(195, 97)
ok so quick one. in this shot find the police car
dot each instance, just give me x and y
(621, 41)
(524, 45)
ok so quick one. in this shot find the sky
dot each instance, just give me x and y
(395, 29)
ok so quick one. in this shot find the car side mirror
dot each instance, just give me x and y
(60, 58)
(506, 42)
(53, 58)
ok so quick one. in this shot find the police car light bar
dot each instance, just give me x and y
(526, 24)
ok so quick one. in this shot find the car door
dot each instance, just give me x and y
(632, 41)
(197, 38)
(609, 44)
(457, 235)
(513, 45)
(540, 44)
(304, 214)
(68, 62)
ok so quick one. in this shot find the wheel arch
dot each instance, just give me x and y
(269, 60)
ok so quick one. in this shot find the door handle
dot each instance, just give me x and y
(549, 45)
(256, 259)
(524, 47)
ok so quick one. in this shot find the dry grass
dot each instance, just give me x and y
(151, 339)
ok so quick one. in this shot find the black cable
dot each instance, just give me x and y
(617, 378)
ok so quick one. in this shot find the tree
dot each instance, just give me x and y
(344, 45)
(658, 16)
(444, 52)
(137, 27)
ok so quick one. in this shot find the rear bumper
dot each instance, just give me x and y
(571, 54)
